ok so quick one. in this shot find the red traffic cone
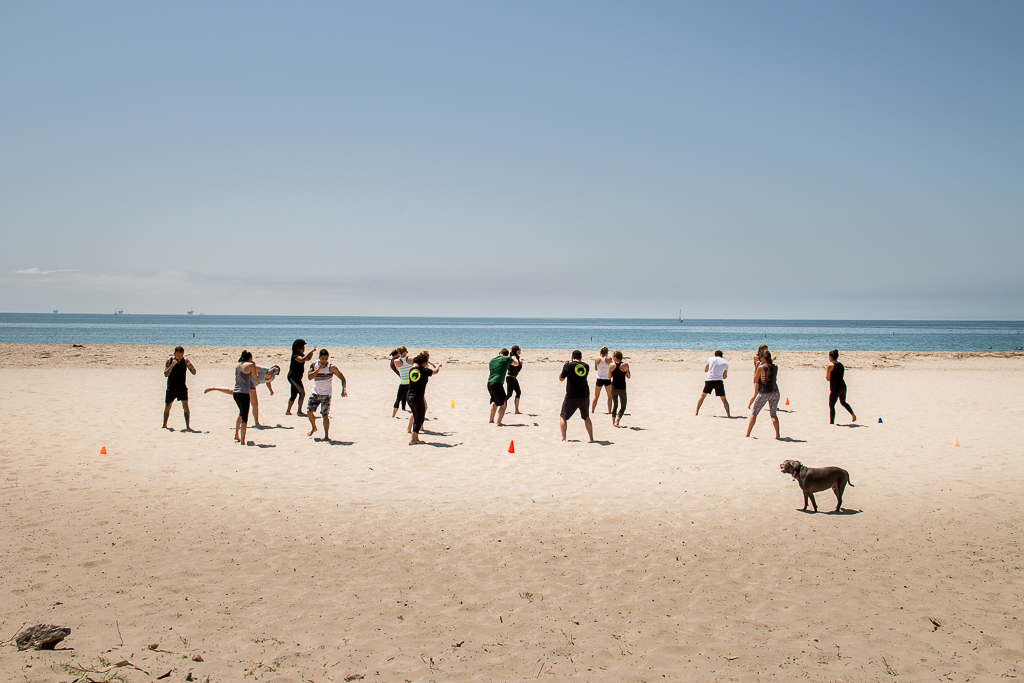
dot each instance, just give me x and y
(956, 441)
(787, 400)
(103, 450)
(511, 446)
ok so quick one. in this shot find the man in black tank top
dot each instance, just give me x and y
(174, 371)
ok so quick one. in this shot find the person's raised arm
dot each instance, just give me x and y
(169, 367)
(191, 368)
(309, 356)
(313, 370)
(437, 369)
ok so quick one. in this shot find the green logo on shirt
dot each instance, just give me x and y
(414, 376)
(581, 370)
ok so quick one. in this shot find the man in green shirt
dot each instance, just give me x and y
(496, 383)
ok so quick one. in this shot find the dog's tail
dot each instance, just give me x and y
(850, 482)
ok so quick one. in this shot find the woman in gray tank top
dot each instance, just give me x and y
(245, 381)
(766, 384)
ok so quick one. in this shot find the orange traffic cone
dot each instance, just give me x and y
(511, 446)
(956, 441)
(787, 400)
(103, 450)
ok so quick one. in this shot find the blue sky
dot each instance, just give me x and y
(778, 160)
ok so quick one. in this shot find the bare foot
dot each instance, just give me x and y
(414, 440)
(312, 432)
(301, 414)
(287, 412)
(517, 413)
(853, 418)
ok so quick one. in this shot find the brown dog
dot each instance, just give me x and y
(815, 479)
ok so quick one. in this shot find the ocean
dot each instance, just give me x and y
(544, 333)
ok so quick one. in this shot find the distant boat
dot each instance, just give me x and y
(190, 311)
(119, 311)
(55, 310)
(680, 315)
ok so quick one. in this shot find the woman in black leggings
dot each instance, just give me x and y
(295, 372)
(618, 371)
(836, 386)
(512, 378)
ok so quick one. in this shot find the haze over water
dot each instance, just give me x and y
(545, 333)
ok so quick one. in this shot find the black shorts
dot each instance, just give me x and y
(497, 392)
(715, 384)
(571, 405)
(179, 394)
(242, 401)
(603, 383)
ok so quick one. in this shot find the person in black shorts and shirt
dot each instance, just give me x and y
(417, 396)
(577, 393)
(174, 371)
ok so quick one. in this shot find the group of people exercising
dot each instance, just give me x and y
(502, 385)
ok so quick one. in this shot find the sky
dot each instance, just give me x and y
(860, 160)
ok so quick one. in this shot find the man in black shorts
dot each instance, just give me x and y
(174, 371)
(717, 370)
(498, 367)
(577, 393)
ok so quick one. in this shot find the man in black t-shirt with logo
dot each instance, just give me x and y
(577, 393)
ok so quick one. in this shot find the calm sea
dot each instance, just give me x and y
(544, 333)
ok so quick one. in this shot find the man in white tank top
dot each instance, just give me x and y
(322, 373)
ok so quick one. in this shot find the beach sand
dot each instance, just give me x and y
(672, 550)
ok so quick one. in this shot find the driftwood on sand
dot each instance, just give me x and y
(41, 637)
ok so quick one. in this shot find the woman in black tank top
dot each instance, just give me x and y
(767, 389)
(618, 372)
(512, 378)
(295, 371)
(835, 374)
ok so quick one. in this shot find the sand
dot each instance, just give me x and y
(672, 550)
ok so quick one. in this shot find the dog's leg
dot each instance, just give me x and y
(813, 502)
(805, 500)
(838, 489)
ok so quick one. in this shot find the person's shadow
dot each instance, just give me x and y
(333, 442)
(789, 439)
(842, 511)
(260, 445)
